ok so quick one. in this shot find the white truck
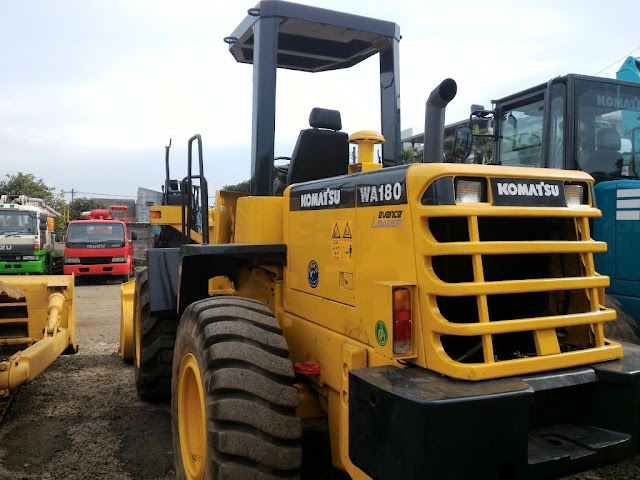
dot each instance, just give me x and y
(28, 243)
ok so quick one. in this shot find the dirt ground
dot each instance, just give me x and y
(81, 419)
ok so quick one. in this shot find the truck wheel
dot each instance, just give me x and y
(153, 339)
(233, 400)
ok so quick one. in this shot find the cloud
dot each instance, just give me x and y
(91, 91)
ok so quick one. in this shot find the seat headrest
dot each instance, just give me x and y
(325, 118)
(608, 139)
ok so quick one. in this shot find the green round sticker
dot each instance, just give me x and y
(381, 333)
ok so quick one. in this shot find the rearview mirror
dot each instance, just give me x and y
(134, 236)
(57, 238)
(462, 141)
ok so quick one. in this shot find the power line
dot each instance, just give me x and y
(618, 61)
(75, 192)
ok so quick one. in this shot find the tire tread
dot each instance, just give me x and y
(251, 400)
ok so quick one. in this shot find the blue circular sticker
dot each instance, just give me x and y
(313, 273)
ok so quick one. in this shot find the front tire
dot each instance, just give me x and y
(153, 340)
(233, 398)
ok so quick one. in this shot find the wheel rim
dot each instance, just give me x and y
(137, 333)
(191, 418)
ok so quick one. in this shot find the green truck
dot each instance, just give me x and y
(28, 243)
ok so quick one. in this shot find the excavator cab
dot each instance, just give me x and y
(579, 122)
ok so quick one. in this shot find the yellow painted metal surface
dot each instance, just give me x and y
(341, 317)
(259, 220)
(221, 285)
(329, 238)
(354, 293)
(37, 324)
(548, 355)
(125, 347)
(365, 139)
(165, 215)
(310, 406)
(192, 419)
(223, 217)
(171, 215)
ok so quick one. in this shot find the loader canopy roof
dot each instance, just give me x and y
(314, 39)
(277, 34)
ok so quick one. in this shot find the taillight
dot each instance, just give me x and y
(154, 214)
(401, 320)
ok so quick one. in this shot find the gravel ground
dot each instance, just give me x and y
(81, 419)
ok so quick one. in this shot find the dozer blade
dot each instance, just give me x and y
(37, 324)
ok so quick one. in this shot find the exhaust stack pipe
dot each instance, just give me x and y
(434, 120)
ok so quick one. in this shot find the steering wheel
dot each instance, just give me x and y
(284, 169)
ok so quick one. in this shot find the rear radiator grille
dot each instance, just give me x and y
(512, 288)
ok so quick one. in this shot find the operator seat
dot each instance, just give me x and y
(322, 151)
(606, 158)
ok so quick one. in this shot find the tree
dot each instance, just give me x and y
(482, 147)
(410, 155)
(80, 205)
(27, 184)
(242, 187)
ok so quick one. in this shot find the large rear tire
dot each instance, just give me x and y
(153, 340)
(233, 398)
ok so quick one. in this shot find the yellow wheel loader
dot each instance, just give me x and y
(37, 324)
(446, 319)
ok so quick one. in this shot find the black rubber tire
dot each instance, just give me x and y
(248, 381)
(157, 337)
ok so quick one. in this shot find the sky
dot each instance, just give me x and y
(91, 91)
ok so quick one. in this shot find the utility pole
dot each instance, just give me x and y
(72, 193)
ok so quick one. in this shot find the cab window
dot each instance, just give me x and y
(521, 134)
(607, 129)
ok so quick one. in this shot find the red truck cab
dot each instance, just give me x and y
(99, 245)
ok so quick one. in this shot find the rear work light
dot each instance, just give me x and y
(574, 194)
(469, 191)
(401, 320)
